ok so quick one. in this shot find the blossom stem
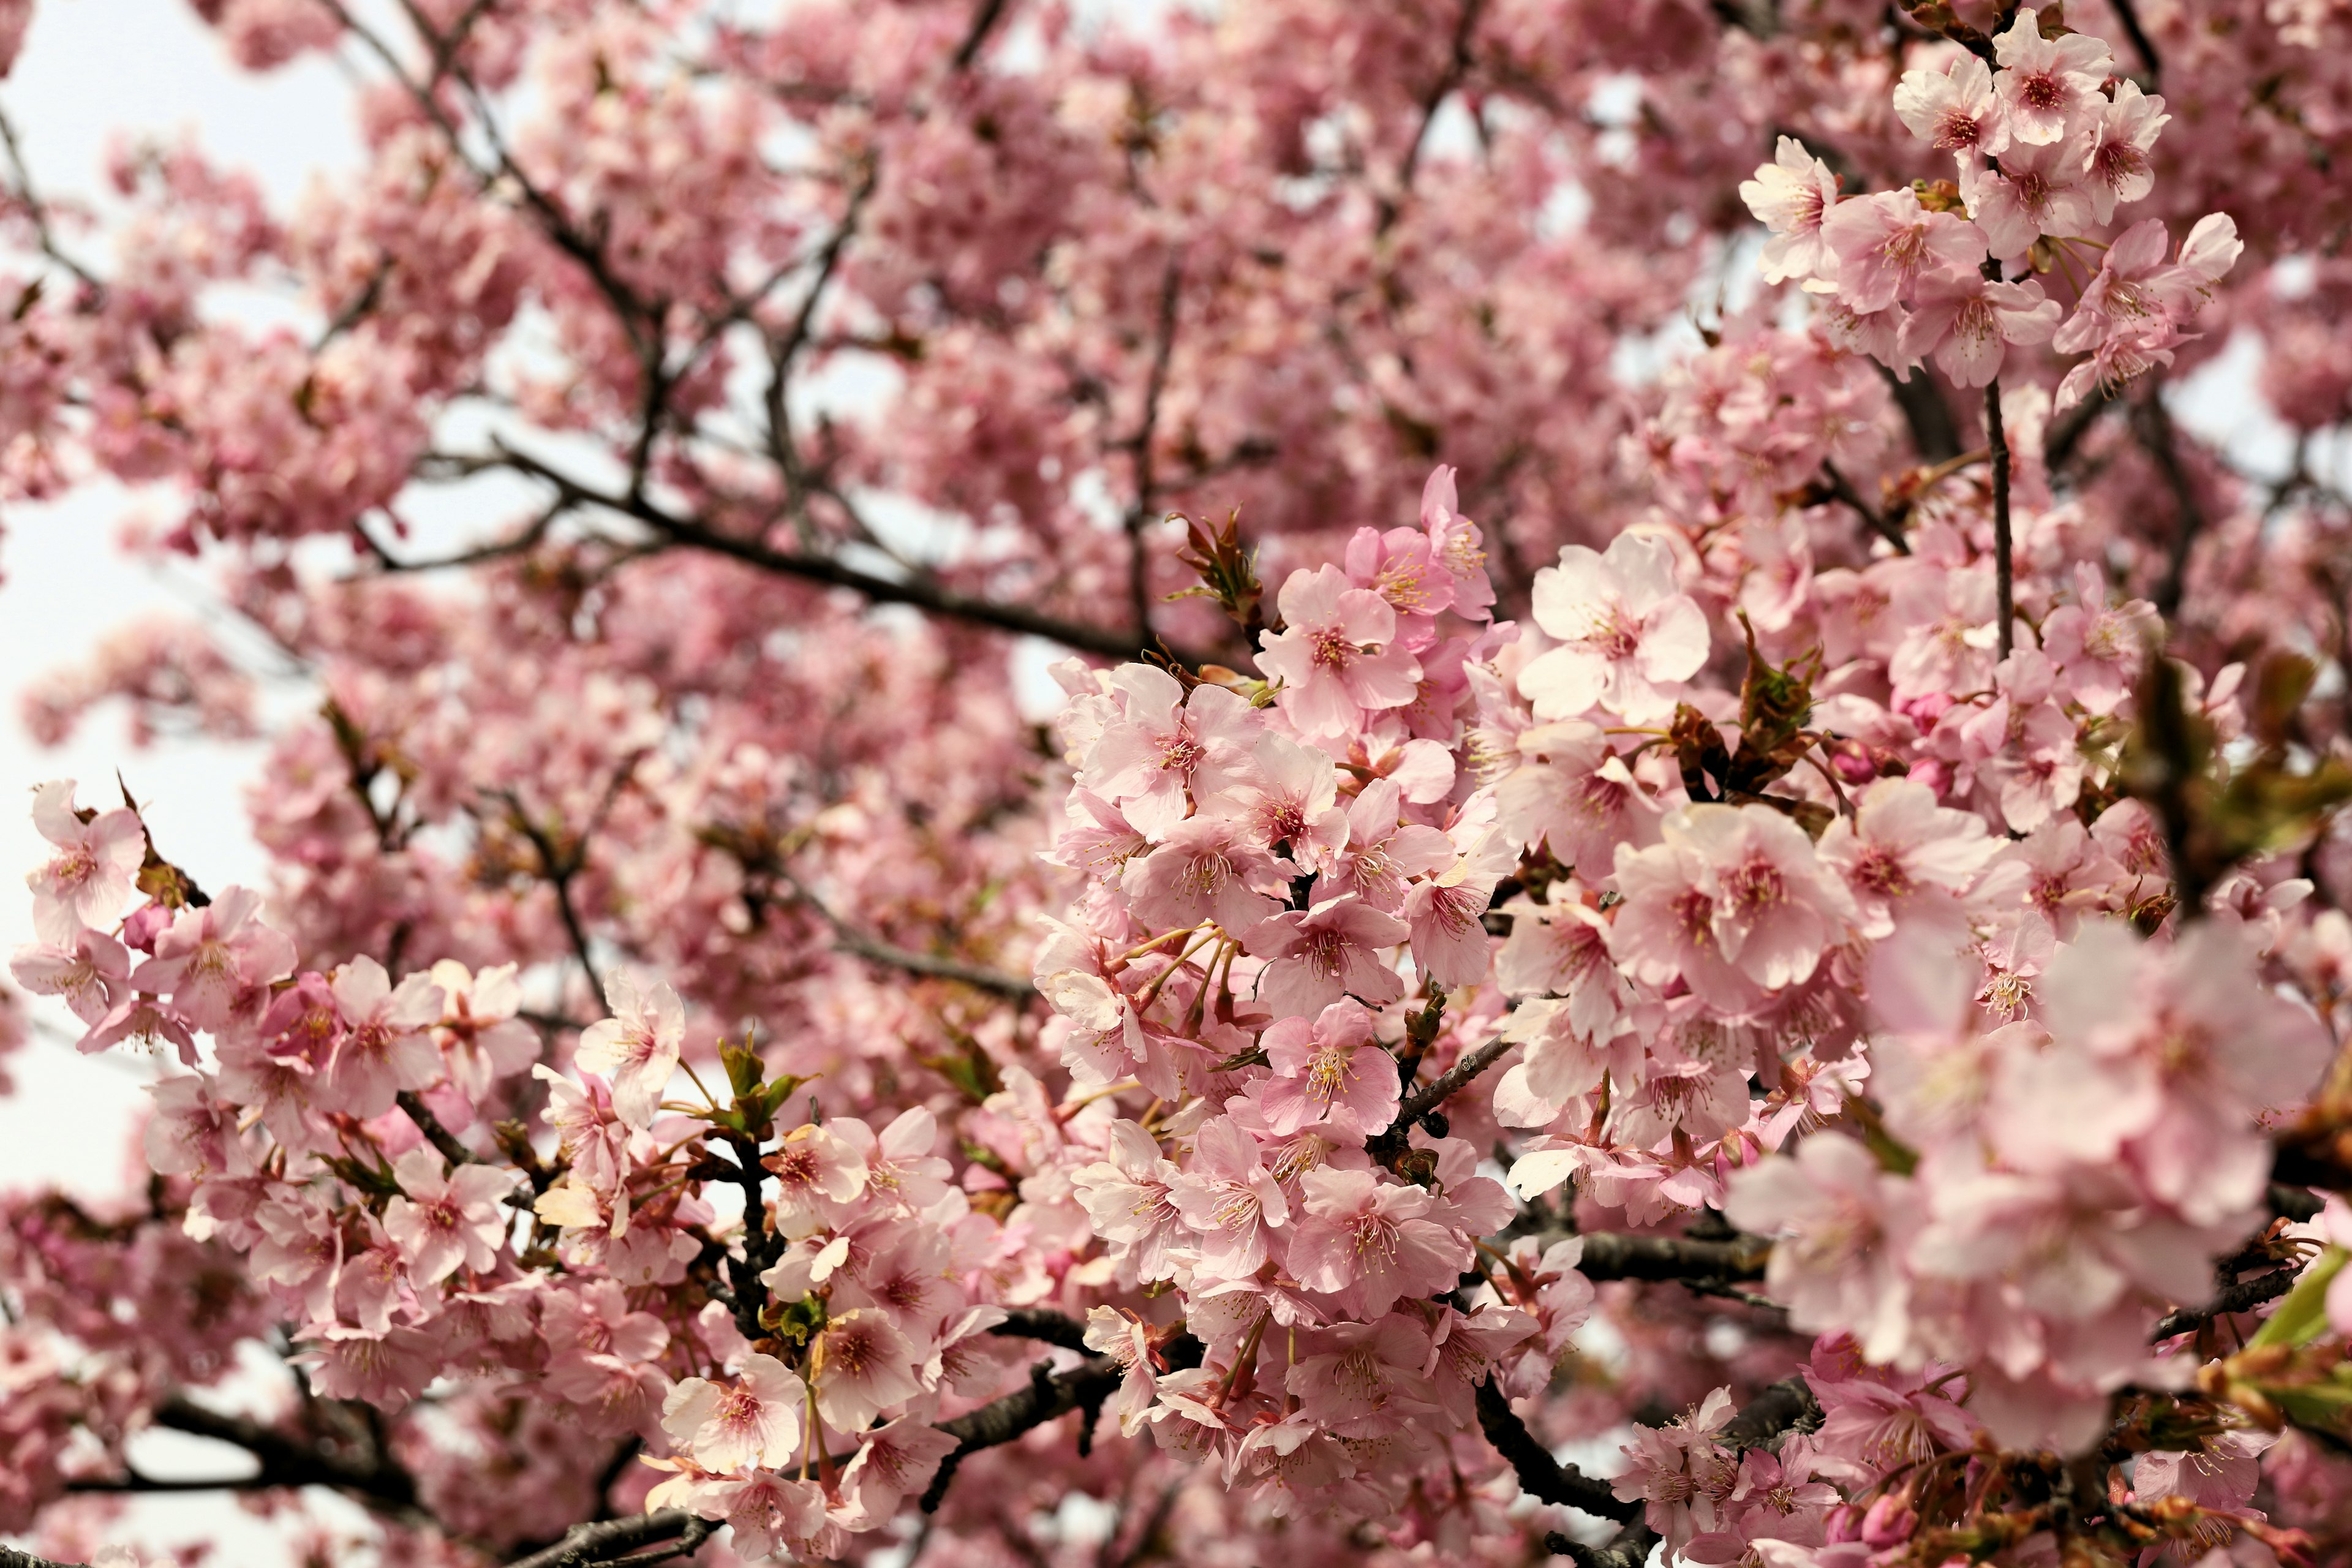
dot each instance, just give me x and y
(1244, 1358)
(1151, 993)
(1132, 953)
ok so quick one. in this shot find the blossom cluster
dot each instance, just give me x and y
(2046, 146)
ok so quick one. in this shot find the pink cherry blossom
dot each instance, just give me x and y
(1954, 110)
(1886, 243)
(754, 1420)
(1789, 196)
(1326, 1069)
(1336, 656)
(442, 1218)
(1369, 1243)
(88, 879)
(2045, 85)
(1622, 632)
(636, 1049)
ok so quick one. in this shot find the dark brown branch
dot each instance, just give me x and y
(586, 1546)
(1788, 1405)
(38, 212)
(2153, 426)
(1541, 1476)
(559, 867)
(440, 1137)
(1933, 435)
(2127, 14)
(12, 1558)
(1390, 1146)
(874, 949)
(1048, 1396)
(825, 569)
(2065, 433)
(1138, 512)
(1630, 1548)
(1458, 62)
(2004, 585)
(1611, 1255)
(1878, 521)
(983, 22)
(289, 1459)
(132, 1484)
(2242, 1297)
(1450, 1082)
(1044, 1325)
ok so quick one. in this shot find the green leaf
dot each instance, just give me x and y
(2302, 1315)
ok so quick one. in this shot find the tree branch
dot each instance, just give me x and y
(1045, 1325)
(1630, 1548)
(1997, 443)
(440, 1137)
(1611, 1256)
(826, 571)
(2127, 14)
(1880, 524)
(1389, 1146)
(590, 1545)
(1933, 435)
(1048, 1396)
(983, 22)
(874, 949)
(1788, 1405)
(1139, 514)
(2065, 433)
(12, 1558)
(2153, 424)
(559, 870)
(38, 213)
(1541, 1476)
(2242, 1297)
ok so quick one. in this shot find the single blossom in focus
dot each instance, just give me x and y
(1789, 196)
(2046, 85)
(1954, 110)
(753, 1420)
(1625, 633)
(636, 1050)
(1328, 1067)
(1337, 657)
(1886, 244)
(88, 879)
(441, 1220)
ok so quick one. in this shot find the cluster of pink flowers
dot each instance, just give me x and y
(302, 1138)
(1262, 860)
(2046, 146)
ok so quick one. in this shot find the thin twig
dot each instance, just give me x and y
(1997, 443)
(2242, 1297)
(874, 949)
(1880, 524)
(1139, 512)
(37, 211)
(2127, 14)
(2153, 424)
(559, 868)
